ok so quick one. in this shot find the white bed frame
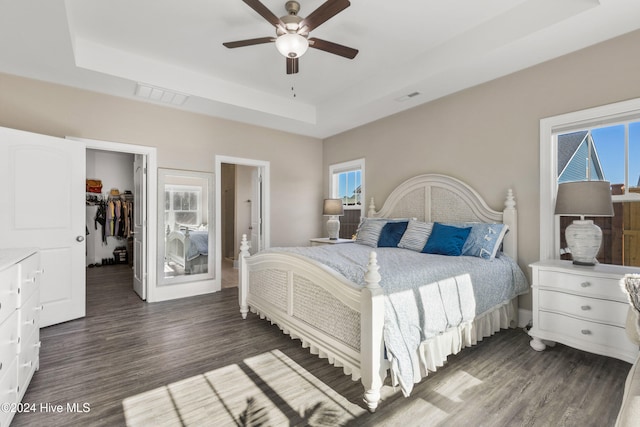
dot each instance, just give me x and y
(289, 290)
(176, 246)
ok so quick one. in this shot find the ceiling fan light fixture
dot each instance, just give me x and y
(292, 45)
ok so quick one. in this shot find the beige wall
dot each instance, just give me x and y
(184, 141)
(488, 135)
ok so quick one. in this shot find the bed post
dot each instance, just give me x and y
(372, 368)
(243, 285)
(510, 217)
(372, 209)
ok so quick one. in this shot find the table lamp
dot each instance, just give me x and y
(333, 208)
(584, 198)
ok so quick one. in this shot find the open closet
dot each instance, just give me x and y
(109, 210)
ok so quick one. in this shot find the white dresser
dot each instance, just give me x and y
(20, 308)
(581, 306)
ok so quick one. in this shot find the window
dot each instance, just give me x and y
(346, 182)
(182, 205)
(597, 144)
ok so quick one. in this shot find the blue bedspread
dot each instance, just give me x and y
(424, 294)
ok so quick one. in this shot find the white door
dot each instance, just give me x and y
(139, 226)
(256, 211)
(43, 206)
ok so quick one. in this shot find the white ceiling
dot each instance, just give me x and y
(426, 46)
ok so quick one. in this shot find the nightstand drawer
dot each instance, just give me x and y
(610, 312)
(590, 333)
(582, 284)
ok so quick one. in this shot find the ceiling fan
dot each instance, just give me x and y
(292, 31)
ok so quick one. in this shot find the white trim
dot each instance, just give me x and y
(152, 190)
(266, 203)
(591, 117)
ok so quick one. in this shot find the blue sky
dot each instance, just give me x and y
(347, 183)
(609, 142)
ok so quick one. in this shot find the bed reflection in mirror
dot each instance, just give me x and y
(185, 226)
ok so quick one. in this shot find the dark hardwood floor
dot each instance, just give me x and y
(124, 347)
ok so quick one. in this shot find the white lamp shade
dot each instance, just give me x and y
(292, 45)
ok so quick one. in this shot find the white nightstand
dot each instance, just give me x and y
(582, 307)
(326, 241)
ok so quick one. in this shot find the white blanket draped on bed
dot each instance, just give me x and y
(426, 295)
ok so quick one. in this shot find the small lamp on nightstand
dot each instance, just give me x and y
(333, 208)
(584, 198)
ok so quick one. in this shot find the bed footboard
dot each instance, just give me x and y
(331, 316)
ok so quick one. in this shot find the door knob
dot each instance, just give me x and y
(80, 238)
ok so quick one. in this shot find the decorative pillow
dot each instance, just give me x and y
(416, 235)
(484, 240)
(391, 234)
(446, 240)
(369, 231)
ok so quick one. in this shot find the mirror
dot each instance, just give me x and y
(185, 226)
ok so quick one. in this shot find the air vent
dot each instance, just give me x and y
(408, 96)
(155, 93)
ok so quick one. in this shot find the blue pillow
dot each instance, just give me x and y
(391, 234)
(446, 240)
(484, 240)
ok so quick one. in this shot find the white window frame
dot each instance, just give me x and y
(550, 127)
(352, 165)
(187, 189)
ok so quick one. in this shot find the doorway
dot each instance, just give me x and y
(242, 209)
(126, 166)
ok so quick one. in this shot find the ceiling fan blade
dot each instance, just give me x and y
(249, 42)
(322, 14)
(335, 48)
(264, 12)
(292, 65)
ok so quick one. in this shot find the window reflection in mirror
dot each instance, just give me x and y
(185, 226)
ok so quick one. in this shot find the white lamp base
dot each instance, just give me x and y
(584, 239)
(333, 227)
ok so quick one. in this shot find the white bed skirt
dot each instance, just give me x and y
(434, 351)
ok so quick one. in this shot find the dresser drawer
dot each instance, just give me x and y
(8, 391)
(604, 311)
(28, 361)
(590, 333)
(29, 315)
(607, 287)
(30, 276)
(9, 278)
(8, 342)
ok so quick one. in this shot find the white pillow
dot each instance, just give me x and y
(416, 236)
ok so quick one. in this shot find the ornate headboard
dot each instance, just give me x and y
(441, 198)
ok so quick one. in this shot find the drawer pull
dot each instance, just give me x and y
(38, 344)
(30, 280)
(0, 366)
(585, 332)
(586, 307)
(30, 322)
(39, 308)
(585, 284)
(28, 364)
